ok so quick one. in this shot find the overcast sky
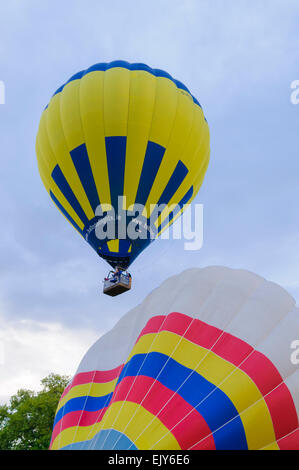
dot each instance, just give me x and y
(239, 59)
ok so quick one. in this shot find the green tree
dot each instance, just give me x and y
(26, 422)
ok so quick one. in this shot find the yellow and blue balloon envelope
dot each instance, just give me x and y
(120, 129)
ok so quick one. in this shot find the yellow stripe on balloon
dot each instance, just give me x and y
(91, 106)
(166, 99)
(191, 155)
(167, 226)
(43, 147)
(272, 446)
(116, 101)
(50, 185)
(70, 114)
(184, 352)
(60, 149)
(200, 176)
(145, 430)
(178, 139)
(191, 139)
(258, 425)
(59, 196)
(113, 245)
(89, 389)
(141, 106)
(74, 434)
(43, 167)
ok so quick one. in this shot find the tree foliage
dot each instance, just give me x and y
(26, 422)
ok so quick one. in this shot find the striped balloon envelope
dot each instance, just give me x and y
(205, 362)
(120, 130)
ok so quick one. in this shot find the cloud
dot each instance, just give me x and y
(30, 350)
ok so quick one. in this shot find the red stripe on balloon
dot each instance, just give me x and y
(290, 442)
(192, 329)
(225, 345)
(232, 349)
(283, 411)
(276, 394)
(99, 376)
(262, 371)
(153, 325)
(206, 444)
(77, 418)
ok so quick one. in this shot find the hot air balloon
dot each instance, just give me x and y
(204, 362)
(117, 137)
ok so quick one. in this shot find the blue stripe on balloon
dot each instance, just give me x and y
(124, 246)
(86, 403)
(212, 403)
(105, 249)
(231, 436)
(67, 191)
(105, 439)
(69, 218)
(113, 439)
(174, 183)
(179, 207)
(116, 160)
(152, 161)
(82, 164)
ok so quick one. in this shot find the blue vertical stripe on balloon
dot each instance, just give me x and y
(67, 191)
(231, 436)
(104, 439)
(174, 183)
(81, 161)
(69, 218)
(86, 403)
(113, 439)
(124, 246)
(116, 159)
(180, 205)
(105, 249)
(152, 161)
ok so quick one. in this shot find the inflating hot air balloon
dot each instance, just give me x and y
(122, 136)
(205, 362)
